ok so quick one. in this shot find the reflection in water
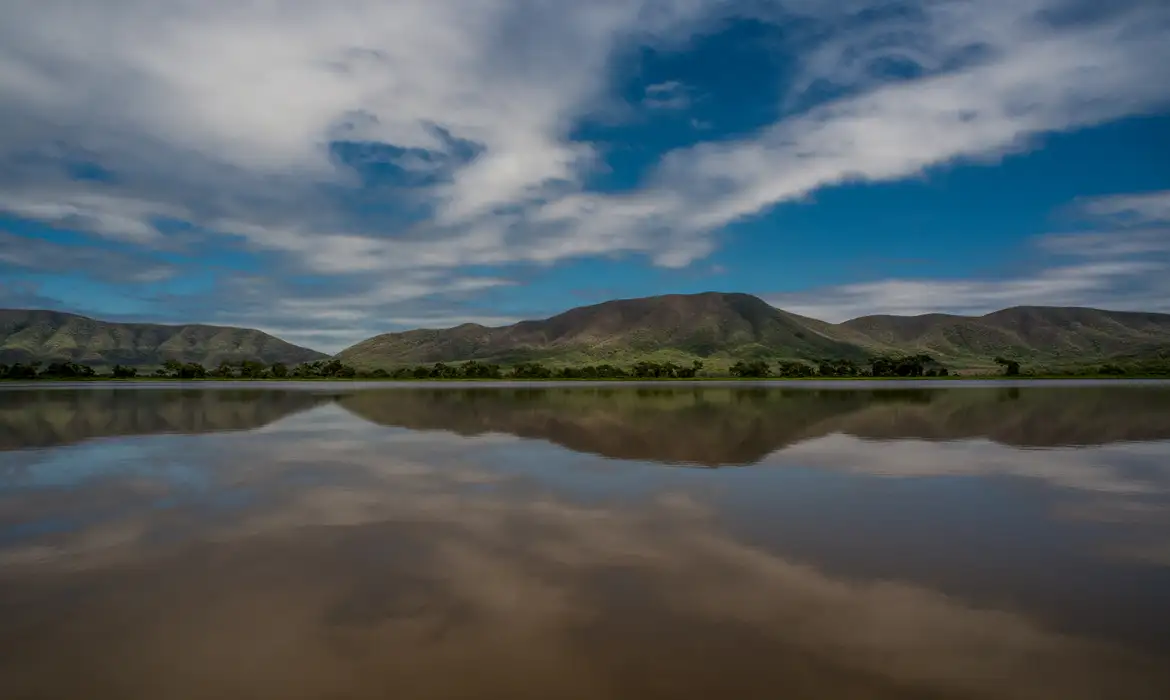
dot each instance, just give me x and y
(740, 426)
(47, 417)
(328, 556)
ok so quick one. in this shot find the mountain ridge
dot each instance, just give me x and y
(28, 335)
(1048, 333)
(675, 325)
(717, 328)
(721, 327)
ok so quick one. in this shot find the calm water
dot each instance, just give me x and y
(669, 542)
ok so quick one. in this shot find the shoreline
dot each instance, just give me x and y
(809, 382)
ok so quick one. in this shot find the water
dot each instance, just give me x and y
(339, 541)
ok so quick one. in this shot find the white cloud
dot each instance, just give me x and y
(670, 94)
(1124, 269)
(1073, 285)
(1138, 208)
(1047, 82)
(94, 209)
(108, 265)
(1109, 244)
(333, 319)
(452, 321)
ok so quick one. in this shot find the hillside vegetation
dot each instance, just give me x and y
(53, 336)
(672, 336)
(1051, 336)
(722, 329)
(672, 327)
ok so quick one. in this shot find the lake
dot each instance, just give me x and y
(667, 541)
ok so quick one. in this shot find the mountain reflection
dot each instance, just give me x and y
(721, 426)
(49, 417)
(693, 425)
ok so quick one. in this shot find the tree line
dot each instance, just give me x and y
(915, 366)
(173, 369)
(909, 366)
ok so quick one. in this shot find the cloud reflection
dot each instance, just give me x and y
(369, 565)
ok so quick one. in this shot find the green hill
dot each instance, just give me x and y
(717, 326)
(722, 328)
(53, 336)
(1052, 336)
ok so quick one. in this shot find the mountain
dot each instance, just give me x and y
(721, 328)
(718, 328)
(675, 326)
(53, 336)
(1054, 335)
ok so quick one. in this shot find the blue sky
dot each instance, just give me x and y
(330, 169)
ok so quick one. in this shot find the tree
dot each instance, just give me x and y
(530, 370)
(794, 369)
(251, 369)
(21, 370)
(224, 370)
(610, 372)
(902, 366)
(279, 370)
(441, 370)
(756, 368)
(645, 370)
(307, 369)
(123, 372)
(1011, 368)
(336, 370)
(192, 370)
(67, 370)
(838, 368)
(478, 370)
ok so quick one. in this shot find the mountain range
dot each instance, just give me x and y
(717, 328)
(54, 336)
(721, 328)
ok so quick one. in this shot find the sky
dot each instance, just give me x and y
(327, 170)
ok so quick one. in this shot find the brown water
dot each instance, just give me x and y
(332, 542)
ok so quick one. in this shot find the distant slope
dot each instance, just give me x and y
(680, 327)
(1034, 333)
(53, 336)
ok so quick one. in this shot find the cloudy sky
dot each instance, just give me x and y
(330, 169)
